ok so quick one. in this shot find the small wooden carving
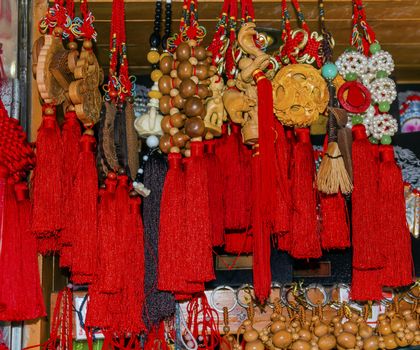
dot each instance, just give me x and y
(215, 111)
(300, 94)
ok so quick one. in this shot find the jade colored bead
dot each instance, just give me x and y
(329, 71)
(381, 74)
(350, 49)
(384, 107)
(351, 76)
(356, 119)
(386, 139)
(373, 140)
(374, 48)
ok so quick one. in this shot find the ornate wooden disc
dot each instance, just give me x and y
(49, 88)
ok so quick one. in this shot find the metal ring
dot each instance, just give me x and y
(285, 293)
(337, 304)
(213, 304)
(275, 285)
(244, 286)
(321, 289)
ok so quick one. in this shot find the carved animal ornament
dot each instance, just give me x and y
(300, 94)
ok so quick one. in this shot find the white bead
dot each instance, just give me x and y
(152, 141)
(140, 171)
(135, 183)
(145, 158)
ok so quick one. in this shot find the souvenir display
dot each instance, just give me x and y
(148, 194)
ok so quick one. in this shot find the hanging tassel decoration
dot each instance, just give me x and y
(335, 231)
(264, 187)
(366, 238)
(84, 204)
(215, 191)
(158, 304)
(172, 260)
(305, 238)
(198, 233)
(332, 175)
(398, 270)
(108, 280)
(33, 302)
(366, 285)
(47, 190)
(71, 133)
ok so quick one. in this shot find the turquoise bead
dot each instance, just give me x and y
(381, 74)
(384, 107)
(356, 119)
(373, 140)
(386, 140)
(329, 71)
(374, 48)
(351, 76)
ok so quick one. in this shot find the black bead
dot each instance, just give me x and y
(154, 40)
(165, 41)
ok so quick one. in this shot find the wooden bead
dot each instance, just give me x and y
(194, 127)
(327, 342)
(178, 120)
(200, 53)
(87, 44)
(180, 139)
(203, 91)
(154, 94)
(165, 64)
(183, 52)
(193, 107)
(156, 75)
(165, 124)
(184, 70)
(153, 57)
(72, 45)
(165, 84)
(346, 340)
(301, 345)
(178, 101)
(165, 143)
(165, 104)
(187, 88)
(250, 335)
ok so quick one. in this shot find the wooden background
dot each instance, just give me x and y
(396, 23)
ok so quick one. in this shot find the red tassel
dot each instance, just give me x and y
(366, 285)
(238, 243)
(305, 239)
(108, 246)
(282, 215)
(261, 236)
(172, 261)
(395, 238)
(20, 294)
(235, 159)
(71, 132)
(215, 191)
(197, 221)
(135, 264)
(335, 233)
(47, 191)
(366, 238)
(84, 205)
(33, 301)
(264, 188)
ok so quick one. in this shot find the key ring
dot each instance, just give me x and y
(285, 297)
(336, 305)
(212, 302)
(312, 305)
(244, 287)
(273, 286)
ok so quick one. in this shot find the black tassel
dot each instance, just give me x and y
(158, 305)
